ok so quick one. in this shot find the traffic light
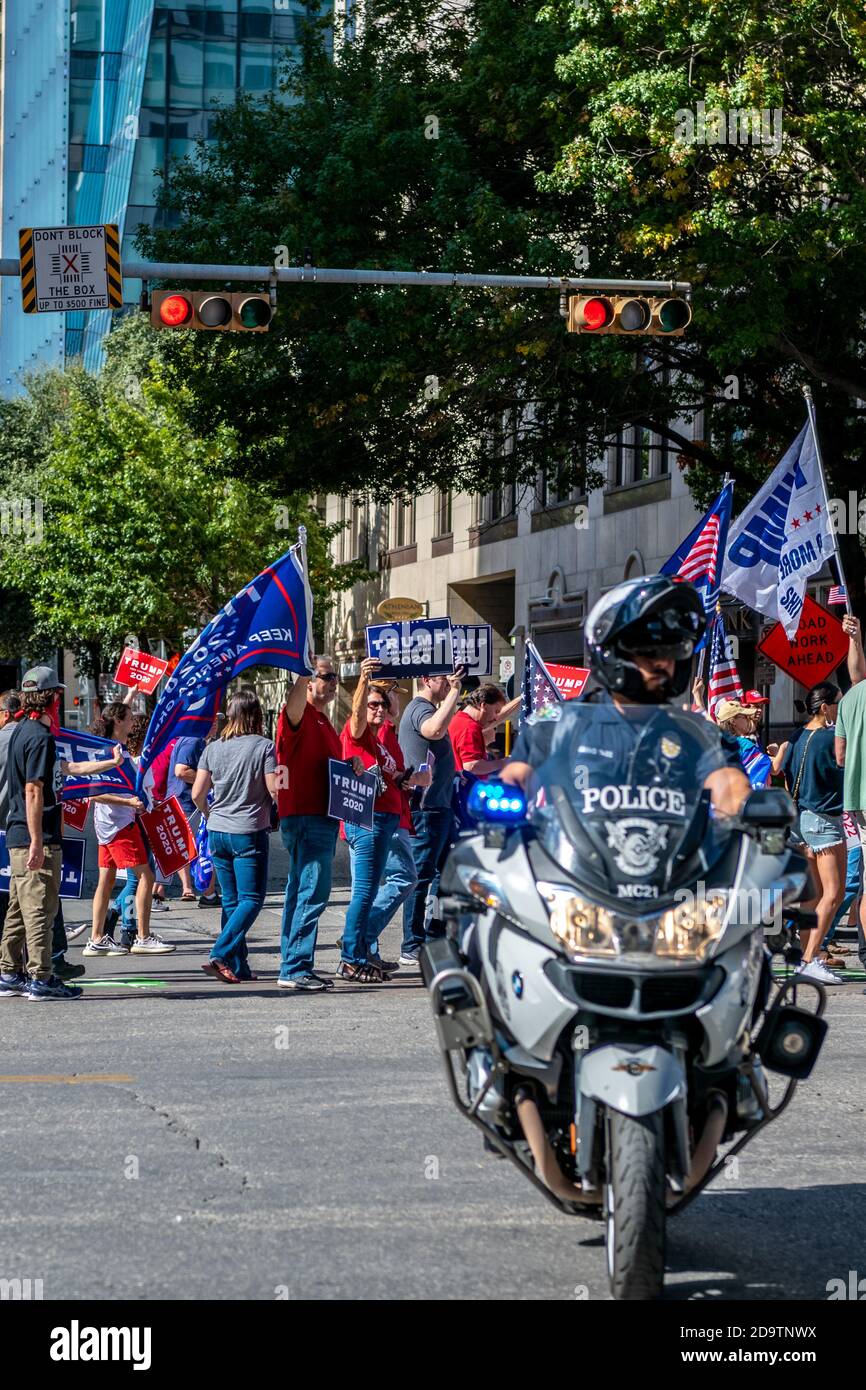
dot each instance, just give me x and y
(241, 311)
(652, 316)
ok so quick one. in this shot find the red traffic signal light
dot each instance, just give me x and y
(243, 311)
(651, 316)
(175, 310)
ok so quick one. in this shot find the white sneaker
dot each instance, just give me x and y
(159, 905)
(152, 945)
(73, 932)
(816, 971)
(104, 947)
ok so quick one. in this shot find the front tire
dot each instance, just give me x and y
(636, 1206)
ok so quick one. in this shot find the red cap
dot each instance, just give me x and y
(754, 697)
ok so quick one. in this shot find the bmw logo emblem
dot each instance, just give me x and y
(517, 984)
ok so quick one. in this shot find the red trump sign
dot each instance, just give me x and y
(569, 680)
(169, 836)
(141, 670)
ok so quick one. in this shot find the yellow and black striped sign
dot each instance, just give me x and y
(27, 269)
(112, 266)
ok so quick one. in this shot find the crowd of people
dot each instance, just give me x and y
(243, 786)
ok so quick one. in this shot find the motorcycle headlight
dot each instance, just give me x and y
(583, 928)
(687, 931)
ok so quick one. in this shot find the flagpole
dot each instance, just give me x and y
(308, 595)
(810, 410)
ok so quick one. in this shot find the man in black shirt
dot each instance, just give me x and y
(34, 778)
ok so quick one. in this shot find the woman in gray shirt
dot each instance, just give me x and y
(241, 769)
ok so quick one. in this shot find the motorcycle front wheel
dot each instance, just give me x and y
(636, 1196)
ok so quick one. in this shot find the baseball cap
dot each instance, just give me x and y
(41, 678)
(754, 697)
(728, 708)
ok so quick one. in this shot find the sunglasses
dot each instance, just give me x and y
(330, 678)
(376, 704)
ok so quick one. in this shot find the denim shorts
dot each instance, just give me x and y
(820, 831)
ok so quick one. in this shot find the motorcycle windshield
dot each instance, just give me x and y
(622, 796)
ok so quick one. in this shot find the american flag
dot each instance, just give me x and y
(724, 682)
(699, 557)
(838, 594)
(539, 687)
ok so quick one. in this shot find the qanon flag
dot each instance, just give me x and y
(783, 537)
(75, 747)
(269, 623)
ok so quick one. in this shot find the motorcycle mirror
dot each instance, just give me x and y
(768, 808)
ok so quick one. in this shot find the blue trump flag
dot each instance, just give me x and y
(269, 623)
(75, 747)
(699, 558)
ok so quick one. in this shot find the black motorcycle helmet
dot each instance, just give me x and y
(653, 613)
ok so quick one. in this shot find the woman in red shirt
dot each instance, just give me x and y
(369, 848)
(483, 709)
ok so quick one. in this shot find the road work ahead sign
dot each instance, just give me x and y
(818, 646)
(70, 268)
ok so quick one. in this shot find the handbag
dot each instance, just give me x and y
(795, 832)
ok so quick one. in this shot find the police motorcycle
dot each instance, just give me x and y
(603, 997)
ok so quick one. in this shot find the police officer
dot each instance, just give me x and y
(640, 638)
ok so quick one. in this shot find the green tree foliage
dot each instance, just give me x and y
(502, 139)
(144, 527)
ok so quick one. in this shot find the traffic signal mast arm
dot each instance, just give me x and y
(590, 305)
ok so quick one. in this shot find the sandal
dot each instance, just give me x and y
(187, 898)
(221, 970)
(361, 974)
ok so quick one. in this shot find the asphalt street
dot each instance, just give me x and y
(241, 1143)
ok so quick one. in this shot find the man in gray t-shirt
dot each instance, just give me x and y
(424, 730)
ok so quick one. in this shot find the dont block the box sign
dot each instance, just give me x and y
(169, 835)
(818, 646)
(140, 669)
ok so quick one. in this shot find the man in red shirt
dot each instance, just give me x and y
(306, 740)
(482, 711)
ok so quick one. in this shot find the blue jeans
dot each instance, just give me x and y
(311, 841)
(369, 855)
(852, 890)
(398, 881)
(433, 831)
(125, 901)
(241, 863)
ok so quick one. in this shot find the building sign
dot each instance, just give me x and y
(351, 798)
(816, 649)
(473, 648)
(422, 647)
(66, 268)
(400, 610)
(140, 669)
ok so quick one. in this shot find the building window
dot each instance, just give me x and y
(639, 455)
(553, 488)
(443, 512)
(342, 535)
(402, 524)
(494, 506)
(359, 528)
